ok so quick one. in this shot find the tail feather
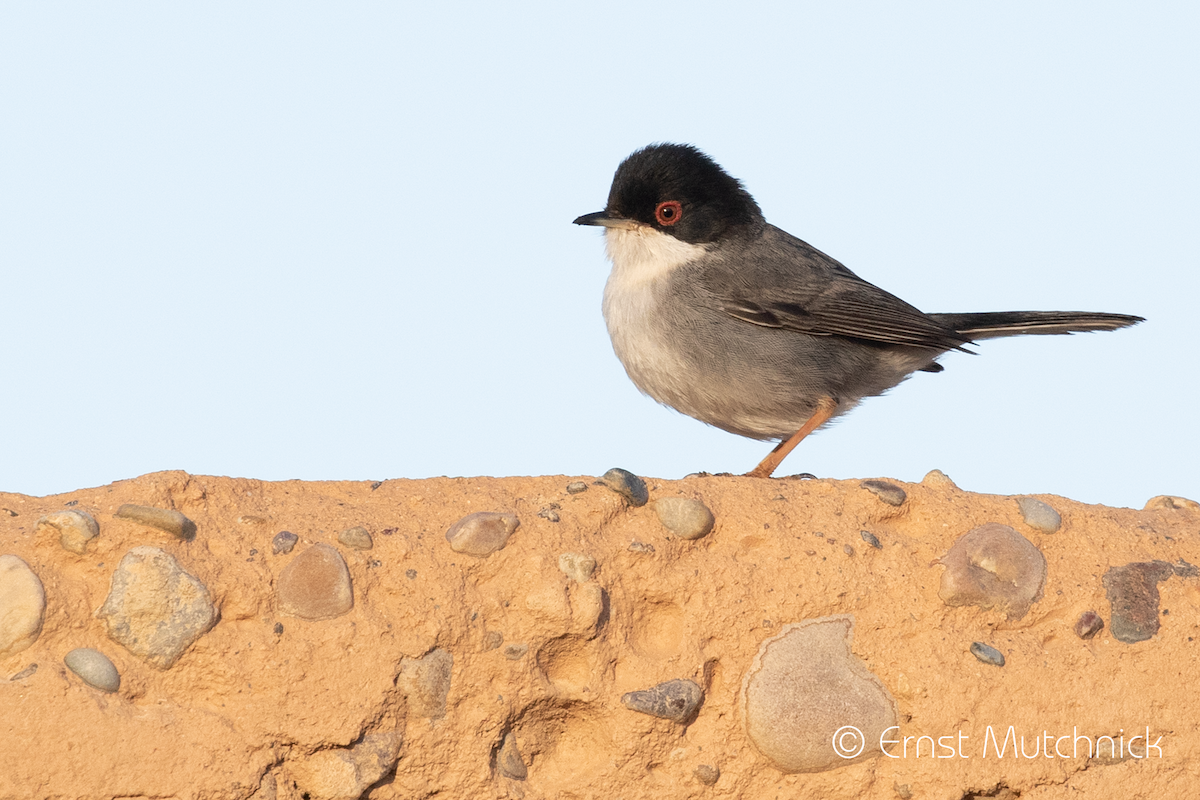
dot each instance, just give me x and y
(994, 324)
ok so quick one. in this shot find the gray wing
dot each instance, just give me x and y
(783, 282)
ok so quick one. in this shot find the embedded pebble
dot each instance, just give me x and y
(803, 686)
(1169, 502)
(94, 668)
(871, 539)
(482, 533)
(154, 608)
(677, 700)
(576, 487)
(251, 519)
(22, 606)
(847, 549)
(28, 672)
(74, 528)
(987, 654)
(1088, 625)
(577, 566)
(889, 493)
(163, 519)
(684, 517)
(937, 479)
(1132, 592)
(550, 512)
(346, 773)
(707, 774)
(508, 759)
(1038, 515)
(515, 652)
(426, 682)
(492, 640)
(993, 566)
(626, 484)
(640, 547)
(283, 542)
(357, 538)
(315, 585)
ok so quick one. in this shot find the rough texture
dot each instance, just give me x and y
(154, 608)
(993, 566)
(73, 528)
(1132, 592)
(250, 705)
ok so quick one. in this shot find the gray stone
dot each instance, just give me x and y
(685, 517)
(315, 585)
(482, 533)
(283, 542)
(993, 566)
(889, 493)
(154, 609)
(22, 606)
(677, 700)
(626, 484)
(935, 478)
(576, 487)
(509, 762)
(707, 774)
(1038, 515)
(577, 566)
(94, 668)
(1171, 503)
(987, 654)
(357, 537)
(870, 539)
(804, 686)
(163, 519)
(492, 640)
(426, 682)
(1132, 592)
(74, 528)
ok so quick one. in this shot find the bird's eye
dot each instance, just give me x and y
(668, 213)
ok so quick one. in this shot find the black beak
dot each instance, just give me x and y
(604, 219)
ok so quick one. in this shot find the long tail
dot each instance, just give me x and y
(994, 324)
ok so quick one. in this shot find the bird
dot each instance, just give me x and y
(728, 319)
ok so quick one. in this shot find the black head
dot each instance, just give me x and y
(678, 190)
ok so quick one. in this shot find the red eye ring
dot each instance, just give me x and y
(668, 212)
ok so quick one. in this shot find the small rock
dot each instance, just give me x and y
(74, 528)
(987, 654)
(515, 652)
(640, 547)
(283, 542)
(315, 585)
(1132, 592)
(576, 487)
(426, 682)
(163, 519)
(626, 484)
(707, 774)
(278, 629)
(357, 538)
(22, 606)
(492, 640)
(577, 566)
(1038, 515)
(550, 513)
(1171, 503)
(94, 668)
(871, 539)
(346, 773)
(10, 512)
(411, 574)
(28, 672)
(508, 759)
(889, 493)
(847, 549)
(993, 566)
(684, 517)
(251, 519)
(677, 700)
(482, 533)
(1088, 625)
(937, 479)
(154, 609)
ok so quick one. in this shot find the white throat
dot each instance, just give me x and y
(642, 255)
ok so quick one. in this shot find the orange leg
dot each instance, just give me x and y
(825, 408)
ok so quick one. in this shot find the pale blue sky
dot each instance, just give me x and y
(334, 242)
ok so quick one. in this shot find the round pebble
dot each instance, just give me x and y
(684, 517)
(889, 493)
(94, 668)
(283, 542)
(577, 566)
(576, 487)
(626, 484)
(871, 539)
(1038, 515)
(163, 519)
(315, 585)
(22, 606)
(993, 566)
(482, 533)
(74, 528)
(1088, 625)
(707, 774)
(677, 700)
(987, 654)
(937, 479)
(357, 537)
(493, 640)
